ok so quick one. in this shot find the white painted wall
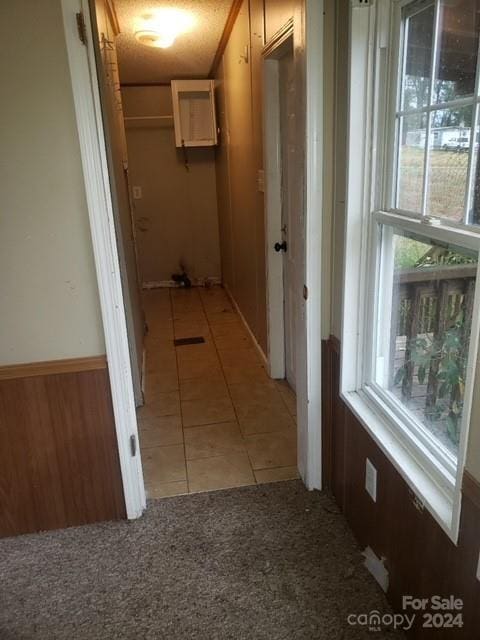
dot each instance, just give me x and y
(48, 289)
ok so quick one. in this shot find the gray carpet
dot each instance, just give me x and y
(271, 562)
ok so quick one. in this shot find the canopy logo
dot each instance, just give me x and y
(436, 612)
(376, 621)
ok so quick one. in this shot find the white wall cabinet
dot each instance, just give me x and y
(194, 113)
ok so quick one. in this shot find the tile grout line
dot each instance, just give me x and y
(229, 393)
(179, 395)
(294, 417)
(284, 401)
(206, 322)
(277, 391)
(146, 448)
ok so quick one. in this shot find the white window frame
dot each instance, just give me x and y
(431, 472)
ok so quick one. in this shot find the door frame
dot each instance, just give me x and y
(272, 53)
(136, 355)
(309, 34)
(86, 97)
(306, 30)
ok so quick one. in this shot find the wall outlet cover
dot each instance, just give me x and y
(371, 480)
(377, 568)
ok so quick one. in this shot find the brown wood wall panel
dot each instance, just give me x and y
(59, 463)
(333, 430)
(422, 561)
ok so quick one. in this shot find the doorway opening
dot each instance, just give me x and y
(215, 409)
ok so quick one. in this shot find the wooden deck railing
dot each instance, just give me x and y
(428, 303)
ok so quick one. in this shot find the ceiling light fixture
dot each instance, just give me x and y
(160, 28)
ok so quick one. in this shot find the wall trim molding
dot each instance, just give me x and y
(113, 16)
(171, 284)
(227, 30)
(471, 488)
(52, 367)
(278, 38)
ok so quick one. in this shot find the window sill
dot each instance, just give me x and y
(429, 492)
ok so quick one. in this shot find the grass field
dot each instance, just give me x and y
(446, 182)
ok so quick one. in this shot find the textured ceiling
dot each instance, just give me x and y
(191, 54)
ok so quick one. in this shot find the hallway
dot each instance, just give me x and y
(212, 419)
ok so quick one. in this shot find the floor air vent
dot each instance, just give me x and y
(180, 342)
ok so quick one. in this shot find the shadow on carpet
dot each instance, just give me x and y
(267, 562)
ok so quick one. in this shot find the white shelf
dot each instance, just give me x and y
(148, 122)
(131, 118)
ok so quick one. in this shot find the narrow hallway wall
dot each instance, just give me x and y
(176, 211)
(239, 161)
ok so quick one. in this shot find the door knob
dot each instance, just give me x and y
(280, 246)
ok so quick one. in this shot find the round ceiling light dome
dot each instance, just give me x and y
(155, 39)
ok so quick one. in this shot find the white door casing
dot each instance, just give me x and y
(100, 209)
(307, 30)
(290, 230)
(104, 45)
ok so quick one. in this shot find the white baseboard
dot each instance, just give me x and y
(144, 367)
(159, 284)
(171, 284)
(247, 327)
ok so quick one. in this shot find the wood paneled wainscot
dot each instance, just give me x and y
(59, 463)
(420, 558)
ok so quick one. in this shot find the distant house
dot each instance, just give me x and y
(442, 137)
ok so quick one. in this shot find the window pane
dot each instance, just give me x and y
(449, 152)
(427, 314)
(457, 50)
(418, 58)
(412, 136)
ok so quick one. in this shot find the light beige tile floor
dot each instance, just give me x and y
(212, 419)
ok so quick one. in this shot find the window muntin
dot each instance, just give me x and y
(424, 328)
(437, 112)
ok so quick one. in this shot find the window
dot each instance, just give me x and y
(437, 110)
(423, 334)
(418, 252)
